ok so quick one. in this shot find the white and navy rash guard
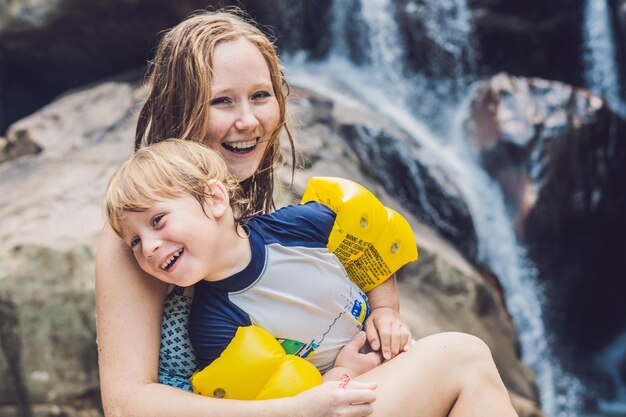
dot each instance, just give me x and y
(293, 287)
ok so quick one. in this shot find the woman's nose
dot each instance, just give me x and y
(246, 119)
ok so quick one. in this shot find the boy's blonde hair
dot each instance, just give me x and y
(180, 90)
(167, 170)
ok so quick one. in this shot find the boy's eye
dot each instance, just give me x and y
(134, 241)
(157, 219)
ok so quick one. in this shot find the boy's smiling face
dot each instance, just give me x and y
(175, 240)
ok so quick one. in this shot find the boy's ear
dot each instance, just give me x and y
(219, 202)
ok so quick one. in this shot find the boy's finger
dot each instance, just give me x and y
(385, 333)
(406, 340)
(375, 358)
(409, 342)
(396, 340)
(358, 341)
(372, 336)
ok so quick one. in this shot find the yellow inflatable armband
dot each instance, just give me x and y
(371, 241)
(254, 366)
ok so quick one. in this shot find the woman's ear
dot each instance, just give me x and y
(219, 201)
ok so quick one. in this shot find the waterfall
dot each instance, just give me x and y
(381, 80)
(451, 56)
(601, 68)
(383, 52)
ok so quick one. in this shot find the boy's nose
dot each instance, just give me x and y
(150, 246)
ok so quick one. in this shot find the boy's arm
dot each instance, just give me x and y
(385, 329)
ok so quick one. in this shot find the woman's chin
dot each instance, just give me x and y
(243, 165)
(242, 172)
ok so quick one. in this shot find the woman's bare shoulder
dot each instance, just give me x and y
(120, 283)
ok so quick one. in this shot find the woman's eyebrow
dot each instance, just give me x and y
(224, 91)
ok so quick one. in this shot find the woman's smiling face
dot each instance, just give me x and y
(244, 112)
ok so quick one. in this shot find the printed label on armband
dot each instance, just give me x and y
(369, 269)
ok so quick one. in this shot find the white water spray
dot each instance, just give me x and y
(601, 68)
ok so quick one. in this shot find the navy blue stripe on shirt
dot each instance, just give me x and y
(309, 228)
(213, 322)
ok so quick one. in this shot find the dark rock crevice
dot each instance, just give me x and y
(11, 348)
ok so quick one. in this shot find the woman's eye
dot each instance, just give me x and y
(134, 242)
(260, 95)
(157, 219)
(220, 101)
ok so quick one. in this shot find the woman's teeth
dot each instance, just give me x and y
(241, 147)
(171, 259)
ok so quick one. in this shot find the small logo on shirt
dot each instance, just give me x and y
(293, 347)
(361, 308)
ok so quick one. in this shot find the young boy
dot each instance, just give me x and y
(178, 208)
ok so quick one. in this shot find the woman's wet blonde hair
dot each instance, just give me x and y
(180, 91)
(170, 169)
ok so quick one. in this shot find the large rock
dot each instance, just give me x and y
(16, 145)
(50, 218)
(47, 332)
(559, 155)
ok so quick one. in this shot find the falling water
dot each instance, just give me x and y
(392, 95)
(451, 56)
(601, 68)
(384, 51)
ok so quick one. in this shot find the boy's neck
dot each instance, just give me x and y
(235, 251)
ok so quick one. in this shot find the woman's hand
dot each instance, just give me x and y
(331, 400)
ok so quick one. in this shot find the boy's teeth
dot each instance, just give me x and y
(167, 263)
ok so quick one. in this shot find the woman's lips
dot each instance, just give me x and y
(241, 147)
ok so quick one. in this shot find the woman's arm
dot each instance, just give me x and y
(129, 306)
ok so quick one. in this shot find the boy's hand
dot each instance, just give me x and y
(351, 361)
(387, 332)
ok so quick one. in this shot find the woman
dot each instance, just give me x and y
(218, 79)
